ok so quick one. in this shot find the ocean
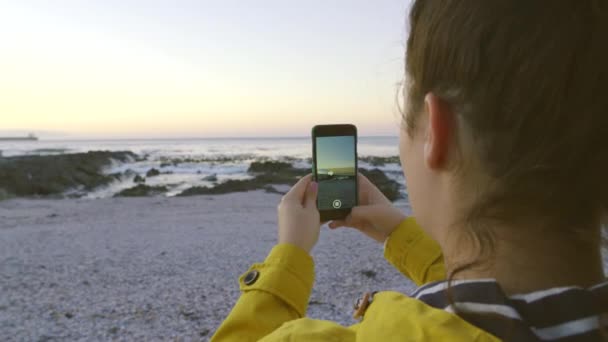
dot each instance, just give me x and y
(184, 163)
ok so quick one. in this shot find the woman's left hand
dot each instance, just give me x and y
(299, 220)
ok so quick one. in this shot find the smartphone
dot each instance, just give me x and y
(334, 168)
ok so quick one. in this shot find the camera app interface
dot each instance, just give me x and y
(336, 172)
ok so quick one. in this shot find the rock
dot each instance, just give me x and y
(4, 195)
(389, 187)
(116, 175)
(270, 167)
(267, 173)
(272, 190)
(139, 179)
(152, 173)
(211, 178)
(380, 161)
(55, 174)
(142, 190)
(223, 188)
(129, 173)
(369, 273)
(142, 158)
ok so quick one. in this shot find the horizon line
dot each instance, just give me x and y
(42, 139)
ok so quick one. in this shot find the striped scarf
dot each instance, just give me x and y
(556, 314)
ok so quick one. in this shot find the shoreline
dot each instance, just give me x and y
(101, 174)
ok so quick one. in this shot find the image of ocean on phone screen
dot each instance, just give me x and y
(336, 173)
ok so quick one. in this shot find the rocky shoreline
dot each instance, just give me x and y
(57, 175)
(75, 175)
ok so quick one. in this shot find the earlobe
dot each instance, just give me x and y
(439, 131)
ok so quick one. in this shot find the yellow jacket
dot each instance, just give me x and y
(273, 306)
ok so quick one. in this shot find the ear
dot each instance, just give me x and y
(439, 132)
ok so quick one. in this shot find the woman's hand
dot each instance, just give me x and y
(375, 216)
(298, 215)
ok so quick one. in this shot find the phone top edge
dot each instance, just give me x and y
(334, 130)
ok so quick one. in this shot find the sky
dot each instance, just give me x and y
(335, 152)
(128, 69)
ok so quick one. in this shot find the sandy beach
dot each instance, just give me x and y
(158, 268)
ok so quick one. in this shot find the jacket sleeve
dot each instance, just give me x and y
(414, 253)
(279, 294)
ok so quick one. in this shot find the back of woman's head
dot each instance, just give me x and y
(529, 79)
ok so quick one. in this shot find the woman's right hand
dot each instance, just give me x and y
(375, 215)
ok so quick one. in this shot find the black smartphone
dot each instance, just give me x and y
(334, 168)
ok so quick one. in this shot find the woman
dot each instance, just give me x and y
(503, 146)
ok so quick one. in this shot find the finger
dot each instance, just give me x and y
(346, 222)
(363, 226)
(355, 219)
(310, 198)
(363, 179)
(337, 224)
(296, 193)
(364, 185)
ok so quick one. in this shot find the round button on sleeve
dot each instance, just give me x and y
(251, 277)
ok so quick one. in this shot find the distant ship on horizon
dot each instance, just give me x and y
(29, 137)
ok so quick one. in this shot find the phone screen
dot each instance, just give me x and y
(336, 169)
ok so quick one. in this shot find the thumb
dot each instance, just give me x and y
(310, 199)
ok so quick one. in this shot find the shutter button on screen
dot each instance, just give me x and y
(337, 204)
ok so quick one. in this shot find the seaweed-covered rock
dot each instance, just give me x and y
(380, 161)
(266, 173)
(142, 190)
(128, 173)
(289, 176)
(389, 187)
(281, 177)
(4, 195)
(272, 190)
(139, 179)
(54, 174)
(211, 178)
(152, 173)
(217, 159)
(270, 167)
(116, 175)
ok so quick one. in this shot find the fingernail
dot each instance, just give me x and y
(314, 186)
